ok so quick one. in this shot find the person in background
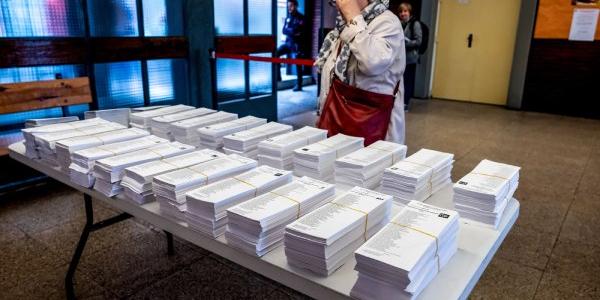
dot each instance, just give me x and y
(413, 37)
(366, 50)
(294, 46)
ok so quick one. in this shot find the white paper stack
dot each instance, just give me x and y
(48, 121)
(46, 142)
(207, 206)
(278, 152)
(212, 136)
(324, 239)
(418, 176)
(109, 171)
(116, 115)
(29, 133)
(161, 126)
(186, 131)
(257, 226)
(170, 188)
(82, 161)
(317, 160)
(66, 147)
(137, 180)
(142, 119)
(245, 142)
(483, 194)
(365, 166)
(402, 259)
(147, 108)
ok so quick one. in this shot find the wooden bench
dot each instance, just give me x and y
(27, 96)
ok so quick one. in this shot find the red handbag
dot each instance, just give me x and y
(352, 111)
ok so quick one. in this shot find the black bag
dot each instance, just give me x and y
(424, 35)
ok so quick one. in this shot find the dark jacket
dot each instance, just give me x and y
(295, 31)
(413, 35)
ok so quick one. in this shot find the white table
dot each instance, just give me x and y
(476, 246)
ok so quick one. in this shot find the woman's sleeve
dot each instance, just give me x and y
(417, 37)
(375, 49)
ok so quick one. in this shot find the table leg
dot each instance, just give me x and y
(170, 247)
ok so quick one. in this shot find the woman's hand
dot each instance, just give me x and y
(348, 8)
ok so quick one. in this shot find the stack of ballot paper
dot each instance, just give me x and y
(418, 176)
(257, 226)
(324, 239)
(186, 131)
(245, 142)
(207, 206)
(147, 108)
(109, 171)
(82, 161)
(161, 126)
(29, 133)
(170, 188)
(142, 119)
(137, 180)
(48, 121)
(401, 260)
(278, 152)
(483, 194)
(46, 142)
(365, 166)
(117, 115)
(317, 160)
(64, 148)
(212, 136)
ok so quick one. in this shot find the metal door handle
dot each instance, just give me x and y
(470, 40)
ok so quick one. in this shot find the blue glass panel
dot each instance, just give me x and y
(261, 76)
(260, 17)
(113, 17)
(230, 79)
(31, 18)
(160, 80)
(163, 18)
(281, 16)
(229, 17)
(20, 117)
(77, 110)
(11, 75)
(119, 84)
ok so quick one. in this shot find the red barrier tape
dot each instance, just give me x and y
(297, 61)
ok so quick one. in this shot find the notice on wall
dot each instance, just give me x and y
(583, 25)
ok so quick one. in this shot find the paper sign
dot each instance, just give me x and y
(583, 25)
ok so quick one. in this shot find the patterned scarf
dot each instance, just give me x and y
(374, 9)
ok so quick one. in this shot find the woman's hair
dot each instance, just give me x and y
(403, 6)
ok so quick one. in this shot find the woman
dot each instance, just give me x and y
(413, 37)
(366, 50)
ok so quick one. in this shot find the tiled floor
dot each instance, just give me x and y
(552, 252)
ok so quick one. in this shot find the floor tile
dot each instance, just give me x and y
(576, 261)
(555, 287)
(527, 247)
(506, 280)
(9, 232)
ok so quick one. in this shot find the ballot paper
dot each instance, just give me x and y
(170, 188)
(116, 115)
(161, 126)
(142, 119)
(257, 226)
(207, 206)
(402, 258)
(317, 160)
(212, 136)
(137, 180)
(186, 131)
(46, 142)
(147, 108)
(418, 176)
(29, 123)
(245, 142)
(483, 194)
(278, 151)
(324, 239)
(365, 166)
(66, 147)
(109, 171)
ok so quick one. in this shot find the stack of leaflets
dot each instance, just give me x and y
(207, 206)
(278, 152)
(483, 194)
(245, 142)
(317, 160)
(117, 115)
(404, 257)
(142, 119)
(418, 176)
(212, 136)
(186, 131)
(48, 121)
(257, 226)
(324, 239)
(365, 166)
(161, 126)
